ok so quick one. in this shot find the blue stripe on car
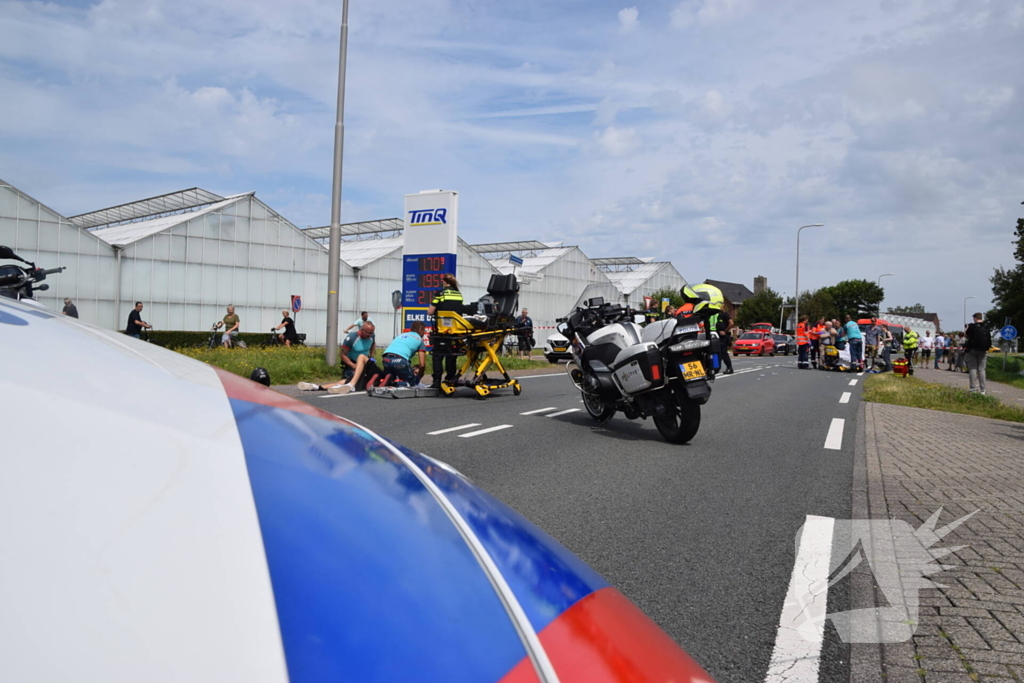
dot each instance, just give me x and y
(371, 579)
(546, 578)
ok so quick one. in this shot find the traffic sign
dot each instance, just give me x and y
(1009, 333)
(515, 260)
(296, 303)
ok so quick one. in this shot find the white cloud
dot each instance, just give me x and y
(629, 18)
(618, 142)
(708, 12)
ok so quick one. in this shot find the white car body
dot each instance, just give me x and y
(557, 348)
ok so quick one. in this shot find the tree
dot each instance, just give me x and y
(760, 308)
(1008, 287)
(818, 304)
(675, 299)
(855, 297)
(904, 310)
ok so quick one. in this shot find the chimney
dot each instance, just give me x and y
(760, 283)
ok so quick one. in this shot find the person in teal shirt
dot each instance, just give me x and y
(398, 355)
(855, 339)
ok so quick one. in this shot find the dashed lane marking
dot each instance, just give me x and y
(845, 398)
(797, 653)
(454, 429)
(540, 410)
(564, 412)
(834, 439)
(853, 382)
(484, 431)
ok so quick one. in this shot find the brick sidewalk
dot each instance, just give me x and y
(920, 460)
(1004, 392)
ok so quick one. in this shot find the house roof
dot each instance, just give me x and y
(734, 292)
(128, 233)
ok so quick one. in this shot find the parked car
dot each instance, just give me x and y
(751, 343)
(556, 348)
(784, 344)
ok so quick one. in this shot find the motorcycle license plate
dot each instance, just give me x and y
(692, 370)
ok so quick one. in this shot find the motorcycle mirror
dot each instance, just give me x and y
(41, 288)
(562, 328)
(7, 252)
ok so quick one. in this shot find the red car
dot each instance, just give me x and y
(751, 343)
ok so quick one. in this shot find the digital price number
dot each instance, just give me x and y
(422, 278)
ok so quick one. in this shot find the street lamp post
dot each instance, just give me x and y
(796, 299)
(334, 235)
(878, 314)
(965, 308)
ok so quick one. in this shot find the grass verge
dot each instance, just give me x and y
(300, 363)
(916, 393)
(1014, 368)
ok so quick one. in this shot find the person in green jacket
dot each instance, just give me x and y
(910, 348)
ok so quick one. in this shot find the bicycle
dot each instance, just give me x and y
(213, 342)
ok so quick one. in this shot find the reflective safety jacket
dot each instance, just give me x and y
(801, 334)
(447, 296)
(910, 340)
(815, 332)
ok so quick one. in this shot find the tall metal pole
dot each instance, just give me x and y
(878, 313)
(965, 308)
(334, 247)
(796, 299)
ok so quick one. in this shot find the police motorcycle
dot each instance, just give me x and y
(661, 371)
(19, 283)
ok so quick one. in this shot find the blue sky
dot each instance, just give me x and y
(700, 131)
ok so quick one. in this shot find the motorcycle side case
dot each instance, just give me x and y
(638, 368)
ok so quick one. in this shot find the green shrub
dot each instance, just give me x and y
(180, 339)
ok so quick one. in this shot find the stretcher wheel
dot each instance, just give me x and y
(516, 389)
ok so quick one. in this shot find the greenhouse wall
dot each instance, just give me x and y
(41, 235)
(562, 283)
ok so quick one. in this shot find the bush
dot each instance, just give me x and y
(180, 339)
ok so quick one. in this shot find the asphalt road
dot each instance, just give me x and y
(700, 536)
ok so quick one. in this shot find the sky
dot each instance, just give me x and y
(703, 132)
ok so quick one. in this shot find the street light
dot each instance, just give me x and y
(796, 299)
(334, 234)
(879, 283)
(965, 308)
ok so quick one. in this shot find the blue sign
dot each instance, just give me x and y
(517, 260)
(296, 303)
(421, 277)
(1009, 333)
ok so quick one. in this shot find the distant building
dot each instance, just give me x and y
(734, 293)
(760, 284)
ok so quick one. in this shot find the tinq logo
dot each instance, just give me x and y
(900, 558)
(428, 217)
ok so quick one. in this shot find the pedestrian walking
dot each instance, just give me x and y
(722, 323)
(524, 330)
(978, 341)
(940, 348)
(69, 309)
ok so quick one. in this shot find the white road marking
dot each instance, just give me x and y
(353, 393)
(845, 398)
(454, 429)
(860, 374)
(540, 410)
(564, 412)
(484, 431)
(550, 374)
(853, 382)
(834, 440)
(797, 652)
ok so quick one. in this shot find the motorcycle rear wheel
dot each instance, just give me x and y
(598, 409)
(681, 424)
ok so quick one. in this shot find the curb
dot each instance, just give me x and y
(866, 495)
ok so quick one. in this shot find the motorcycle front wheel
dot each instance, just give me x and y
(681, 423)
(598, 409)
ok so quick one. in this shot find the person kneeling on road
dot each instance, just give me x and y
(357, 351)
(399, 353)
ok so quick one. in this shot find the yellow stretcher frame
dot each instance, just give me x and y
(481, 347)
